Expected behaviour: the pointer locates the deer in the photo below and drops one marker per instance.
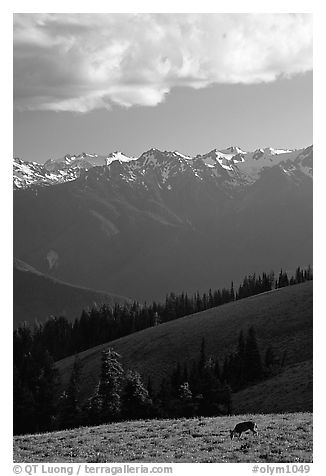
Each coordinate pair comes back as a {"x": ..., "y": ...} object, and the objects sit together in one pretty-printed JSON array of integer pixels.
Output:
[{"x": 243, "y": 427}]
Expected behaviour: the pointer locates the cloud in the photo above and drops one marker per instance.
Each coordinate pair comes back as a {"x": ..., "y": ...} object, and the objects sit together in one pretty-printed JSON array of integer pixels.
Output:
[{"x": 81, "y": 62}]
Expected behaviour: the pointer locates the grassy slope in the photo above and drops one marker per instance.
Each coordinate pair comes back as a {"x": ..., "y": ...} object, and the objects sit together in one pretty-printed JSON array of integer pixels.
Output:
[
  {"x": 292, "y": 389},
  {"x": 282, "y": 438},
  {"x": 282, "y": 318},
  {"x": 37, "y": 296}
]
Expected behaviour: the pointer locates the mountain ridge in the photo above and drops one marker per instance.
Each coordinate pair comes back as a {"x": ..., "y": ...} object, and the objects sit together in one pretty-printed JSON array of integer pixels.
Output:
[
  {"x": 164, "y": 221},
  {"x": 233, "y": 164}
]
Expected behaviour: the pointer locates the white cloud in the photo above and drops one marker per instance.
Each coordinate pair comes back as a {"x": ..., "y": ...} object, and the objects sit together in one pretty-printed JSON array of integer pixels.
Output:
[{"x": 81, "y": 62}]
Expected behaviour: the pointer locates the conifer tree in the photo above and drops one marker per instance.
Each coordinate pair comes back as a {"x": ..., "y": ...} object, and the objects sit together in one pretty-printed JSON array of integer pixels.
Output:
[
  {"x": 225, "y": 370},
  {"x": 150, "y": 388},
  {"x": 185, "y": 393},
  {"x": 232, "y": 295},
  {"x": 210, "y": 387},
  {"x": 176, "y": 379},
  {"x": 283, "y": 280},
  {"x": 93, "y": 408},
  {"x": 194, "y": 379},
  {"x": 45, "y": 391},
  {"x": 109, "y": 390},
  {"x": 135, "y": 398},
  {"x": 299, "y": 275},
  {"x": 186, "y": 406},
  {"x": 217, "y": 370},
  {"x": 308, "y": 273},
  {"x": 24, "y": 418},
  {"x": 69, "y": 414},
  {"x": 202, "y": 357},
  {"x": 253, "y": 365},
  {"x": 210, "y": 299}
]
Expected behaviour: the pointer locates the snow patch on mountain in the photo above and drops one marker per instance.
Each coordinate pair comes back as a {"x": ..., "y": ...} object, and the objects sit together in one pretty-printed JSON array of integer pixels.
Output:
[
  {"x": 29, "y": 174},
  {"x": 233, "y": 167},
  {"x": 120, "y": 156},
  {"x": 233, "y": 150}
]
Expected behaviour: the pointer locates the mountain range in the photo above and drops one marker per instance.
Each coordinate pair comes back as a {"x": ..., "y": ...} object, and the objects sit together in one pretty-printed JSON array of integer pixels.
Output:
[
  {"x": 233, "y": 165},
  {"x": 140, "y": 227}
]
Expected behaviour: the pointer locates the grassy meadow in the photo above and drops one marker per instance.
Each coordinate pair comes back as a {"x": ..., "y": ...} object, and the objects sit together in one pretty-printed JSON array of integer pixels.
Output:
[
  {"x": 281, "y": 405},
  {"x": 282, "y": 438}
]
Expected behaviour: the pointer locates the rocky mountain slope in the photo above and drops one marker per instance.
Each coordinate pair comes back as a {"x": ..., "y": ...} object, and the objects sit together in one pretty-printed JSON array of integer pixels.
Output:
[{"x": 164, "y": 221}]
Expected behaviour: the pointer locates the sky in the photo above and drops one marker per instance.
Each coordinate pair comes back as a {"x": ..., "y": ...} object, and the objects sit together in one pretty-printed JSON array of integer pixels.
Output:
[{"x": 189, "y": 82}]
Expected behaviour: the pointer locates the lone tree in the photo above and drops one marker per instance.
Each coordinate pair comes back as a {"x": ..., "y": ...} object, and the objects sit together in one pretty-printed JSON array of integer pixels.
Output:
[
  {"x": 110, "y": 384},
  {"x": 105, "y": 405}
]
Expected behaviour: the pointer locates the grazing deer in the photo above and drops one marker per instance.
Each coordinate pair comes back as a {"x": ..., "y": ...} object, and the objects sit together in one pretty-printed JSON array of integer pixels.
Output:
[{"x": 243, "y": 427}]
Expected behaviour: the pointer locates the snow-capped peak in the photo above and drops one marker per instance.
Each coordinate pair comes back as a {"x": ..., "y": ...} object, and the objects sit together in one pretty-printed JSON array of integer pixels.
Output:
[
  {"x": 233, "y": 150},
  {"x": 120, "y": 156},
  {"x": 187, "y": 157},
  {"x": 76, "y": 161},
  {"x": 267, "y": 151},
  {"x": 28, "y": 174},
  {"x": 232, "y": 165},
  {"x": 272, "y": 151}
]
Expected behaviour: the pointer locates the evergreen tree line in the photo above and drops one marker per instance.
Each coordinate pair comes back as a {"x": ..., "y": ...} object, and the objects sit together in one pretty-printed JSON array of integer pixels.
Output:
[
  {"x": 104, "y": 323},
  {"x": 119, "y": 395},
  {"x": 246, "y": 366},
  {"x": 202, "y": 389},
  {"x": 194, "y": 389},
  {"x": 34, "y": 374},
  {"x": 301, "y": 275},
  {"x": 34, "y": 385},
  {"x": 205, "y": 388}
]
